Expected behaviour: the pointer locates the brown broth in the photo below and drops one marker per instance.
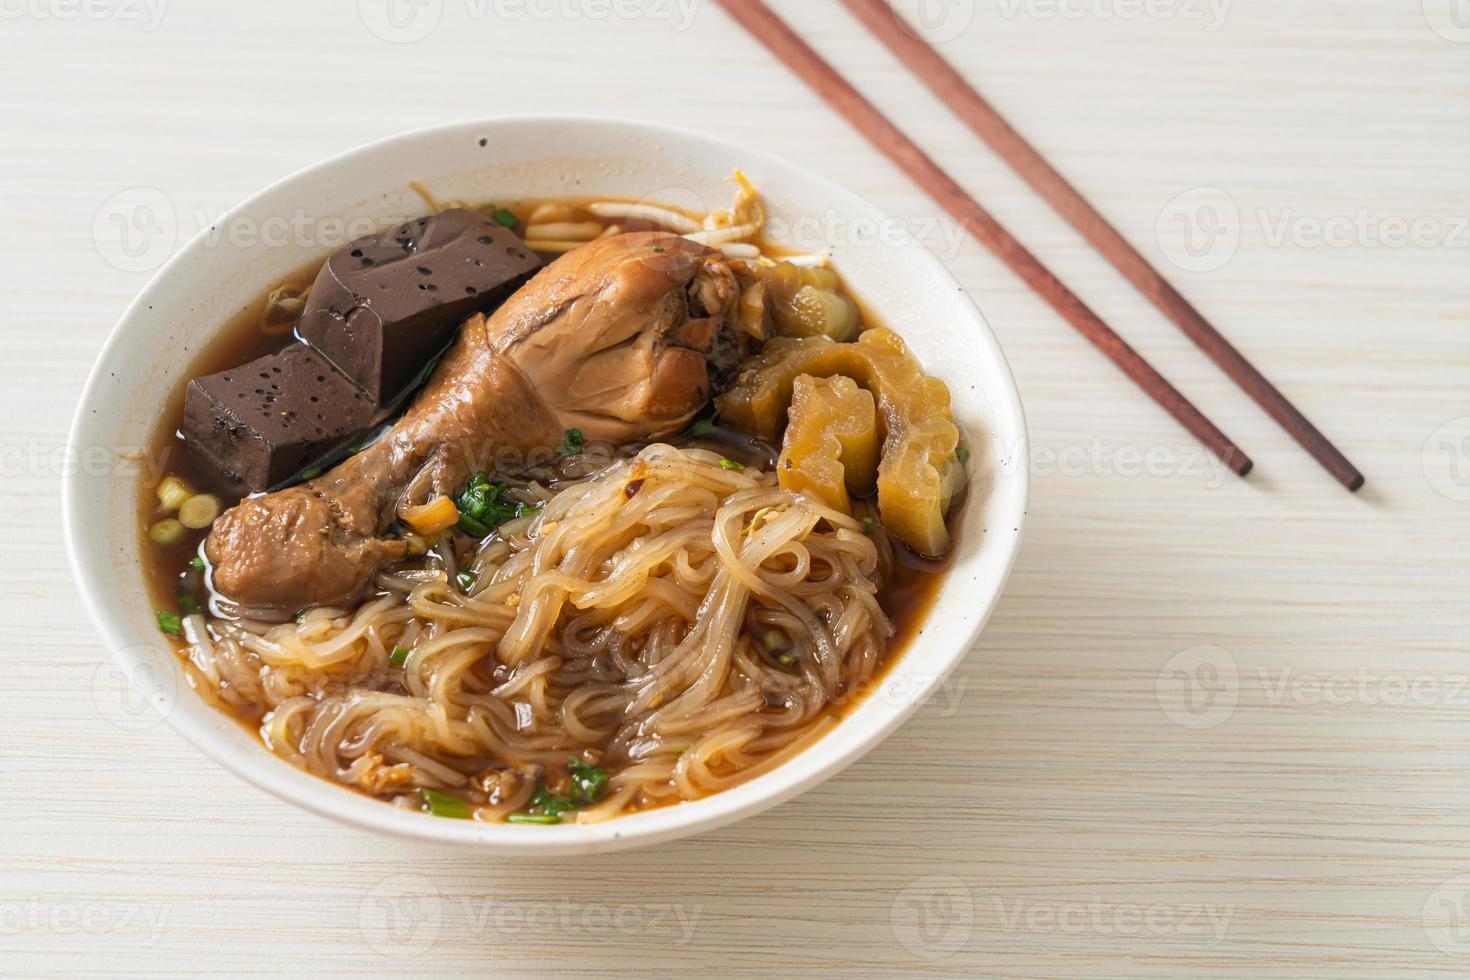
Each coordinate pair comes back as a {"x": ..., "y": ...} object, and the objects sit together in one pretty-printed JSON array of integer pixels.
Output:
[{"x": 907, "y": 597}]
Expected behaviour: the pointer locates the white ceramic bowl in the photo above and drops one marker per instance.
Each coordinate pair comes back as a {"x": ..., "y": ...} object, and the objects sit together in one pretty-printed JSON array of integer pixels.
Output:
[{"x": 216, "y": 274}]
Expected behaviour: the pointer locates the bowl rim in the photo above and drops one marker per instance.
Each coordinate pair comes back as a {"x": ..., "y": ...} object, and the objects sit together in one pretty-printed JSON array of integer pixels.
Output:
[{"x": 634, "y": 830}]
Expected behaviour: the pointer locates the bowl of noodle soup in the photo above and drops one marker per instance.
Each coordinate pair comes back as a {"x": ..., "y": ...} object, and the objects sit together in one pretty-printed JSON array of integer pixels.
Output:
[{"x": 597, "y": 543}]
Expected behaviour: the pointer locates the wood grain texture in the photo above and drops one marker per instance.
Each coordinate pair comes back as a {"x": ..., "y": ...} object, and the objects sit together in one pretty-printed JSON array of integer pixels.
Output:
[
  {"x": 1046, "y": 815},
  {"x": 923, "y": 58},
  {"x": 891, "y": 140}
]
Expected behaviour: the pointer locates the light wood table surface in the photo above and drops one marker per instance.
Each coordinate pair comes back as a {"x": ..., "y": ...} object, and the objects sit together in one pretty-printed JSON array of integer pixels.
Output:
[{"x": 1215, "y": 728}]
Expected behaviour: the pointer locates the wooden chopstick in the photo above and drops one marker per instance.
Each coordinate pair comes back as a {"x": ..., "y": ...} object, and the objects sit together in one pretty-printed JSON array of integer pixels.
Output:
[
  {"x": 770, "y": 30},
  {"x": 990, "y": 126}
]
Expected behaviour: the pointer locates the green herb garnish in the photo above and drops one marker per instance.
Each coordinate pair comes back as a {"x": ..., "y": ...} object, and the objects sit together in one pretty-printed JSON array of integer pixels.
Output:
[
  {"x": 196, "y": 563},
  {"x": 963, "y": 455},
  {"x": 466, "y": 580},
  {"x": 399, "y": 656},
  {"x": 589, "y": 785},
  {"x": 189, "y": 606},
  {"x": 443, "y": 805},
  {"x": 571, "y": 443},
  {"x": 659, "y": 249},
  {"x": 870, "y": 526},
  {"x": 483, "y": 507},
  {"x": 170, "y": 623},
  {"x": 730, "y": 464},
  {"x": 543, "y": 819},
  {"x": 501, "y": 216}
]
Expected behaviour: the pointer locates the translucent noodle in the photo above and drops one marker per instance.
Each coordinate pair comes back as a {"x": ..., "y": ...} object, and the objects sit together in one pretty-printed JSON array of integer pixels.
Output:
[{"x": 630, "y": 624}]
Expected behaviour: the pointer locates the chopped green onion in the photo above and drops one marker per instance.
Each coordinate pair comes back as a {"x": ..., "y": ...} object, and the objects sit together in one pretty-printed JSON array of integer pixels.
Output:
[
  {"x": 199, "y": 511},
  {"x": 541, "y": 819},
  {"x": 399, "y": 656},
  {"x": 466, "y": 580},
  {"x": 870, "y": 526},
  {"x": 786, "y": 659},
  {"x": 443, "y": 805},
  {"x": 170, "y": 623},
  {"x": 730, "y": 464},
  {"x": 549, "y": 803},
  {"x": 702, "y": 427},
  {"x": 589, "y": 784},
  {"x": 483, "y": 507},
  {"x": 166, "y": 532},
  {"x": 189, "y": 605},
  {"x": 963, "y": 455},
  {"x": 172, "y": 492},
  {"x": 197, "y": 563},
  {"x": 571, "y": 443},
  {"x": 473, "y": 527},
  {"x": 501, "y": 216},
  {"x": 659, "y": 249}
]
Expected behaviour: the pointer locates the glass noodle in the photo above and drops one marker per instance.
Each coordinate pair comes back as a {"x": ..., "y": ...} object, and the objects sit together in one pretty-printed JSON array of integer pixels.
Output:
[{"x": 688, "y": 624}]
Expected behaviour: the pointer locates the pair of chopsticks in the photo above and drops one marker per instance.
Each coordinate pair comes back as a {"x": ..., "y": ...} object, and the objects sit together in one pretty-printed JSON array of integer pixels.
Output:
[{"x": 966, "y": 103}]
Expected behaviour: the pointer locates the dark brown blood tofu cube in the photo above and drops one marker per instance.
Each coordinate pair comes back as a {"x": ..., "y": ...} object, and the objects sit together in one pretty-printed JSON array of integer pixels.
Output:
[
  {"x": 384, "y": 306},
  {"x": 260, "y": 424}
]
